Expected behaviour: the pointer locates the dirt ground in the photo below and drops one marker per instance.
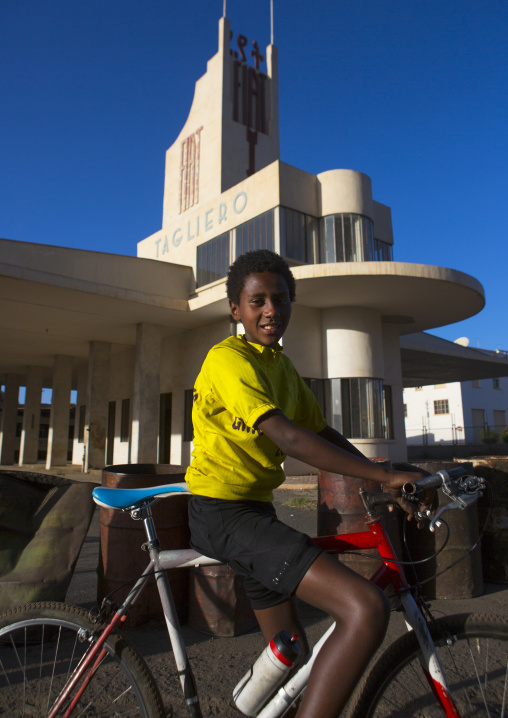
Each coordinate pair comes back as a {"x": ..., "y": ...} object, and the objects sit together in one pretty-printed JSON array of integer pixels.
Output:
[{"x": 219, "y": 663}]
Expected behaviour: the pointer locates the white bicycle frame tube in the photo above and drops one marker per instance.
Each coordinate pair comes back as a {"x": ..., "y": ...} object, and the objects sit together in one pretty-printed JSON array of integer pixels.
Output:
[
  {"x": 430, "y": 664},
  {"x": 429, "y": 659},
  {"x": 186, "y": 558}
]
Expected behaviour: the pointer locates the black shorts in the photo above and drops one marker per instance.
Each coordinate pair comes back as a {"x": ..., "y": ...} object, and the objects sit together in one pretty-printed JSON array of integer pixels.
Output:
[{"x": 270, "y": 557}]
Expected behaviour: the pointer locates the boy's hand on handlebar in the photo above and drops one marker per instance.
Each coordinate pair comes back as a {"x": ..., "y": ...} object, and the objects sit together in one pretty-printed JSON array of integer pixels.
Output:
[{"x": 427, "y": 501}]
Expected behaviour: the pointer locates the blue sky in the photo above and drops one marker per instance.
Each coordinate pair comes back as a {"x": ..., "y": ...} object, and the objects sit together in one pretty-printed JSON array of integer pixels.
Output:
[{"x": 412, "y": 93}]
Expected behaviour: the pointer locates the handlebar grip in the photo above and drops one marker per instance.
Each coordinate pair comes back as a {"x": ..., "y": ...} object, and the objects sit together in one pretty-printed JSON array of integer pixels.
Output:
[{"x": 433, "y": 482}]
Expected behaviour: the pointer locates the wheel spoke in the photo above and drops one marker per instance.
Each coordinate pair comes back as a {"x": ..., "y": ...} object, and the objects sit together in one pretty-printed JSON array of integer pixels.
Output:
[
  {"x": 474, "y": 662},
  {"x": 42, "y": 647}
]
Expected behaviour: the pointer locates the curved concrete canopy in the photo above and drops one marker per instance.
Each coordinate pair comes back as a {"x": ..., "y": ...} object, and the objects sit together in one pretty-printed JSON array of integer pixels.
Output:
[
  {"x": 415, "y": 297},
  {"x": 56, "y": 300}
]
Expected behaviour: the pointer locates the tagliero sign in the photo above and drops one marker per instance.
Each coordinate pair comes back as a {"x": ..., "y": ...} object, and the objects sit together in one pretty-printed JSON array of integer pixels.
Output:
[{"x": 210, "y": 219}]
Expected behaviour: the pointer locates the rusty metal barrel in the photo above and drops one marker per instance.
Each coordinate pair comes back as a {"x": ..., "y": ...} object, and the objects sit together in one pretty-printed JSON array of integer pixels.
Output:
[
  {"x": 340, "y": 511},
  {"x": 218, "y": 604},
  {"x": 445, "y": 576},
  {"x": 493, "y": 517},
  {"x": 121, "y": 558}
]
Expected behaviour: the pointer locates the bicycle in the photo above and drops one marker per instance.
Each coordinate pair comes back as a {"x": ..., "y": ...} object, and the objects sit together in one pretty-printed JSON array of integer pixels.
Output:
[{"x": 58, "y": 660}]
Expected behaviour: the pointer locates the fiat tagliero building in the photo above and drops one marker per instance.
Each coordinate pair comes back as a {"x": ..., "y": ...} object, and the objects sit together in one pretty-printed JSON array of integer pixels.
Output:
[{"x": 130, "y": 333}]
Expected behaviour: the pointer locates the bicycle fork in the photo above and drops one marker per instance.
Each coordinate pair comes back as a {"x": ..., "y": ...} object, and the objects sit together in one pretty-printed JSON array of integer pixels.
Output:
[{"x": 429, "y": 659}]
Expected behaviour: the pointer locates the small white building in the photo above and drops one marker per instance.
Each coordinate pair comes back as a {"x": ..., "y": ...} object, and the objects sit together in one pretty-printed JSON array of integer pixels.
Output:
[{"x": 455, "y": 412}]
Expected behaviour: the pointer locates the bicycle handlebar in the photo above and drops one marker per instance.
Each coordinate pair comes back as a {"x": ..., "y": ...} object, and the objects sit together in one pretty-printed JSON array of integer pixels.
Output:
[
  {"x": 461, "y": 488},
  {"x": 433, "y": 482}
]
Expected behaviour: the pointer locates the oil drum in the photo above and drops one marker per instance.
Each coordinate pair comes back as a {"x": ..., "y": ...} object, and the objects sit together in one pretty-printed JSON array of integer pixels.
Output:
[
  {"x": 340, "y": 511},
  {"x": 218, "y": 604},
  {"x": 493, "y": 517},
  {"x": 121, "y": 559},
  {"x": 455, "y": 572}
]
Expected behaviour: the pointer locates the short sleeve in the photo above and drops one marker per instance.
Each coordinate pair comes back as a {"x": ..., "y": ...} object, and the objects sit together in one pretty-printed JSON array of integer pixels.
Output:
[{"x": 238, "y": 384}]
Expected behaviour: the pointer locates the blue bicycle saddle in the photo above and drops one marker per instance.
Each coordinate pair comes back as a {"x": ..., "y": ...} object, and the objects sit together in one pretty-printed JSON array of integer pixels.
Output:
[{"x": 130, "y": 498}]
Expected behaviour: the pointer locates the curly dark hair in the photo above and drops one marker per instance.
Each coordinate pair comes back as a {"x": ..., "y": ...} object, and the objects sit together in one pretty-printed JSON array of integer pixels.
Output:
[{"x": 259, "y": 260}]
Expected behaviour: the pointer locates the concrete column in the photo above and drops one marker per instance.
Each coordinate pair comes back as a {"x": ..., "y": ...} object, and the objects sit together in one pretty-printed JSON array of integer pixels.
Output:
[
  {"x": 353, "y": 343},
  {"x": 78, "y": 444},
  {"x": 393, "y": 377},
  {"x": 58, "y": 438},
  {"x": 9, "y": 419},
  {"x": 353, "y": 348},
  {"x": 99, "y": 359},
  {"x": 145, "y": 408},
  {"x": 29, "y": 446}
]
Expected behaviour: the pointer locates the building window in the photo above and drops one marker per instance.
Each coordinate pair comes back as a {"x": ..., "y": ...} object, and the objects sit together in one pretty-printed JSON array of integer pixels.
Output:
[
  {"x": 298, "y": 236},
  {"x": 361, "y": 408},
  {"x": 319, "y": 388},
  {"x": 188, "y": 429},
  {"x": 405, "y": 411},
  {"x": 388, "y": 431},
  {"x": 441, "y": 406},
  {"x": 358, "y": 408},
  {"x": 499, "y": 419},
  {"x": 475, "y": 384},
  {"x": 257, "y": 233},
  {"x": 496, "y": 384},
  {"x": 383, "y": 252},
  {"x": 124, "y": 422},
  {"x": 81, "y": 426},
  {"x": 347, "y": 238},
  {"x": 212, "y": 260}
]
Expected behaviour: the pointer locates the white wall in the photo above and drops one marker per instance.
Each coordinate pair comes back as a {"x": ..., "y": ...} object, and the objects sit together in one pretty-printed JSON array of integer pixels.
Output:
[
  {"x": 485, "y": 397},
  {"x": 421, "y": 419}
]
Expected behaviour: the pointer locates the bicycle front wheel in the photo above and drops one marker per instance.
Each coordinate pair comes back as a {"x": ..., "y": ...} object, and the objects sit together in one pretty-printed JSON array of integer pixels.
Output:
[
  {"x": 40, "y": 646},
  {"x": 473, "y": 651}
]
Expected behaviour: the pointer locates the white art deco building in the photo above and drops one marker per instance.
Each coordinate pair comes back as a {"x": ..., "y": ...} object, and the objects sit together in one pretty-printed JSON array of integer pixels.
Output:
[{"x": 130, "y": 333}]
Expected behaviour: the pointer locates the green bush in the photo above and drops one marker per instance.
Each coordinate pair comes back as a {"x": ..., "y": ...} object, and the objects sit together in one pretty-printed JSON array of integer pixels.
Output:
[
  {"x": 489, "y": 436},
  {"x": 504, "y": 435}
]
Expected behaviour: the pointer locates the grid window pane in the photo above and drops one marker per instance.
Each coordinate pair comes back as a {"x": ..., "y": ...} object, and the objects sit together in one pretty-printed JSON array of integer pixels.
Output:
[
  {"x": 298, "y": 235},
  {"x": 383, "y": 252},
  {"x": 257, "y": 233},
  {"x": 212, "y": 260},
  {"x": 347, "y": 238},
  {"x": 441, "y": 406},
  {"x": 362, "y": 408}
]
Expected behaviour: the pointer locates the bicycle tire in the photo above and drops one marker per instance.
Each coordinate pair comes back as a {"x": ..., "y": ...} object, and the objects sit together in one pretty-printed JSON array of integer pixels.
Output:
[
  {"x": 40, "y": 646},
  {"x": 475, "y": 666}
]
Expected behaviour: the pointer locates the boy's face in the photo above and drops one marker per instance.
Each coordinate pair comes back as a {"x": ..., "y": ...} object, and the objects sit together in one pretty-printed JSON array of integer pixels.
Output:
[{"x": 264, "y": 308}]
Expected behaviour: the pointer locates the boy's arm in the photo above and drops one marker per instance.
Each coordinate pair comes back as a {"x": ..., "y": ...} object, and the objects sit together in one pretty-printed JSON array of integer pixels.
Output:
[
  {"x": 336, "y": 438},
  {"x": 324, "y": 454}
]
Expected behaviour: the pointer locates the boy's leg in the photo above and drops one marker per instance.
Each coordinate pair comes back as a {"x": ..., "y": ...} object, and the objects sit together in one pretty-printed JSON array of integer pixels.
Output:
[
  {"x": 361, "y": 612},
  {"x": 282, "y": 617}
]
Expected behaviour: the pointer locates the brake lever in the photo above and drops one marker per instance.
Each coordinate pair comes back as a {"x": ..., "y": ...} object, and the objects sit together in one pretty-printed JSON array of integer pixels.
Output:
[
  {"x": 460, "y": 499},
  {"x": 462, "y": 493}
]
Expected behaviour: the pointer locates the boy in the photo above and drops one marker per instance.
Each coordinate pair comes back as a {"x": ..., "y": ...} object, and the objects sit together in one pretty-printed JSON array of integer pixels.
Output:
[{"x": 251, "y": 409}]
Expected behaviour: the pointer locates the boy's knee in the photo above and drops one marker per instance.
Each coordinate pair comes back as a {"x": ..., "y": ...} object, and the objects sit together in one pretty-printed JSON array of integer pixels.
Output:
[{"x": 373, "y": 607}]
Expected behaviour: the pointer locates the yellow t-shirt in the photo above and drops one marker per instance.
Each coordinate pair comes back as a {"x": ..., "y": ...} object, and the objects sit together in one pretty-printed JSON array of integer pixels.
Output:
[{"x": 239, "y": 383}]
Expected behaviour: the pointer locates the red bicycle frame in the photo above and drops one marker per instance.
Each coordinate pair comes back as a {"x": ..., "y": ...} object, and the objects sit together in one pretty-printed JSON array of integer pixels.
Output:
[{"x": 390, "y": 572}]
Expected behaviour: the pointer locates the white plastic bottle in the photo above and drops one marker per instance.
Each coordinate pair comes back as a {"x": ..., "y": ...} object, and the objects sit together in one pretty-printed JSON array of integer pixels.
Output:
[{"x": 267, "y": 673}]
